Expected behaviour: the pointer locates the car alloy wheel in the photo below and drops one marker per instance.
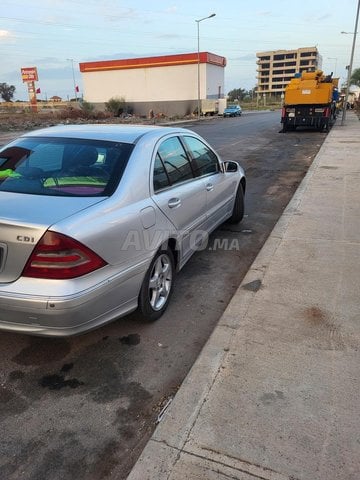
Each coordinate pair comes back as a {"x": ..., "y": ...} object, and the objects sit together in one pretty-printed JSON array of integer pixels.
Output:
[
  {"x": 160, "y": 282},
  {"x": 157, "y": 285}
]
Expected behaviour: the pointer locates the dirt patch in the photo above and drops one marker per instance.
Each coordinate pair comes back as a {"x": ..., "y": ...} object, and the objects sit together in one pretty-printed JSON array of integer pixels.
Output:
[{"x": 24, "y": 121}]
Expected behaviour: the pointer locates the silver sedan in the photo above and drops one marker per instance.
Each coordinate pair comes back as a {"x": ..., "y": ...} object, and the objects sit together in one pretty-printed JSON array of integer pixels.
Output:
[{"x": 95, "y": 220}]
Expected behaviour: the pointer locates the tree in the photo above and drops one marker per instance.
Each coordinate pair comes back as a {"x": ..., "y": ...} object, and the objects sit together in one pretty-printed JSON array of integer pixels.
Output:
[
  {"x": 355, "y": 77},
  {"x": 237, "y": 94},
  {"x": 241, "y": 94},
  {"x": 7, "y": 92}
]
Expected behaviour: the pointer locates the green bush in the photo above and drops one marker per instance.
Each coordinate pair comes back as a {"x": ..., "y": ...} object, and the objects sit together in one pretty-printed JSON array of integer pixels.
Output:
[
  {"x": 116, "y": 106},
  {"x": 87, "y": 108}
]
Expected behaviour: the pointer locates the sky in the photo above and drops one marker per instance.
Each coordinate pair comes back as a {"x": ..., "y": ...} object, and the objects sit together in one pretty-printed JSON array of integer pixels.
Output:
[{"x": 56, "y": 35}]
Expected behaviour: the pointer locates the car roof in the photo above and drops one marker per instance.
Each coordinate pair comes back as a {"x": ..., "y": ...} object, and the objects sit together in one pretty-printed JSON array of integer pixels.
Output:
[{"x": 110, "y": 132}]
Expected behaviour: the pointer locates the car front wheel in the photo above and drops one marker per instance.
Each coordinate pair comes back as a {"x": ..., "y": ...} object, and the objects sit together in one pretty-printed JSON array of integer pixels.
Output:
[
  {"x": 157, "y": 286},
  {"x": 238, "y": 210}
]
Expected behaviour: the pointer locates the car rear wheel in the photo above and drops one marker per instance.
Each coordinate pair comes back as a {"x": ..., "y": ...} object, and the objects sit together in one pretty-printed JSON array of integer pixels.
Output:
[
  {"x": 238, "y": 210},
  {"x": 157, "y": 286}
]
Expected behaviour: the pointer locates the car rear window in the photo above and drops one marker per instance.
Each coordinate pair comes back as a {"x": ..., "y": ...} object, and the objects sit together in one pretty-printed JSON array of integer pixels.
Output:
[{"x": 62, "y": 166}]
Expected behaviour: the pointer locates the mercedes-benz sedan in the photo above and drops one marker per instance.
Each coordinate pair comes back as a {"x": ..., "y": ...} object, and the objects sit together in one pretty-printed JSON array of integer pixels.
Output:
[{"x": 95, "y": 220}]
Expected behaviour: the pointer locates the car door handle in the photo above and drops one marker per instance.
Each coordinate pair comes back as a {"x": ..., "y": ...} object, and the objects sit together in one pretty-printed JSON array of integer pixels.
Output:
[
  {"x": 174, "y": 202},
  {"x": 209, "y": 187}
]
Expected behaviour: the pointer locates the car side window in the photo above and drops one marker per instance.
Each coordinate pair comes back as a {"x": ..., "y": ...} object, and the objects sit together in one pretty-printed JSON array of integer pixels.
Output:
[
  {"x": 160, "y": 178},
  {"x": 175, "y": 160},
  {"x": 205, "y": 161}
]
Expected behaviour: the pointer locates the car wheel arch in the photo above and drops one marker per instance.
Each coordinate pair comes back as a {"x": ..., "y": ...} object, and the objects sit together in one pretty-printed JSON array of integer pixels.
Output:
[
  {"x": 173, "y": 244},
  {"x": 243, "y": 184}
]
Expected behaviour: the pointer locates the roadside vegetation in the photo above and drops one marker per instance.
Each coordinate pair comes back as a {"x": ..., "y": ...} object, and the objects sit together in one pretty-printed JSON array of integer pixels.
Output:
[
  {"x": 117, "y": 106},
  {"x": 7, "y": 92}
]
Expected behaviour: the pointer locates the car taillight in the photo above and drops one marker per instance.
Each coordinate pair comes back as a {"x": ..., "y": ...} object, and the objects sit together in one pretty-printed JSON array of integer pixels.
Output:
[{"x": 58, "y": 256}]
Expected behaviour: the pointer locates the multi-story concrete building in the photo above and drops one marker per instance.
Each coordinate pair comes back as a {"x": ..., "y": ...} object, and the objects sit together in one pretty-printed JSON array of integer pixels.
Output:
[
  {"x": 277, "y": 67},
  {"x": 170, "y": 84}
]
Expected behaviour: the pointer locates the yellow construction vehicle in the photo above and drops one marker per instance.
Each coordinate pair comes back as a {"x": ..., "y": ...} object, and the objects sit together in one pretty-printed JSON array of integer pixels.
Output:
[{"x": 310, "y": 101}]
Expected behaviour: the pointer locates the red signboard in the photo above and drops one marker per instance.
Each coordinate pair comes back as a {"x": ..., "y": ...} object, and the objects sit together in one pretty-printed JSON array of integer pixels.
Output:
[{"x": 29, "y": 74}]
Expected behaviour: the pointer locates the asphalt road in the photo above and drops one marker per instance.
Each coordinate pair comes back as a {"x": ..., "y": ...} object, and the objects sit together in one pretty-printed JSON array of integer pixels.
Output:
[{"x": 84, "y": 407}]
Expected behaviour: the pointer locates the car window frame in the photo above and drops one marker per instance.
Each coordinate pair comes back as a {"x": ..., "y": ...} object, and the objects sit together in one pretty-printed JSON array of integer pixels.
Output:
[
  {"x": 193, "y": 159},
  {"x": 153, "y": 174},
  {"x": 156, "y": 153}
]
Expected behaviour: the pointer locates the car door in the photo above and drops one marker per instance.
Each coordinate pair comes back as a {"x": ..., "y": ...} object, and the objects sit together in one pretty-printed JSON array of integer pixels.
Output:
[
  {"x": 220, "y": 187},
  {"x": 179, "y": 194}
]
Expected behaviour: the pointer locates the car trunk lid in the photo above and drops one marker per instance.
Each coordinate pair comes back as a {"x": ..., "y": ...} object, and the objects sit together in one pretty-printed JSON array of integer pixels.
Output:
[{"x": 23, "y": 221}]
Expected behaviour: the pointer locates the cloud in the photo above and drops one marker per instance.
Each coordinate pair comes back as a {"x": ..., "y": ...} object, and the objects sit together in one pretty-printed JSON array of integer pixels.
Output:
[
  {"x": 44, "y": 73},
  {"x": 56, "y": 20},
  {"x": 5, "y": 34},
  {"x": 48, "y": 61},
  {"x": 316, "y": 17},
  {"x": 113, "y": 56},
  {"x": 250, "y": 56},
  {"x": 172, "y": 9},
  {"x": 323, "y": 17},
  {"x": 169, "y": 36},
  {"x": 123, "y": 14}
]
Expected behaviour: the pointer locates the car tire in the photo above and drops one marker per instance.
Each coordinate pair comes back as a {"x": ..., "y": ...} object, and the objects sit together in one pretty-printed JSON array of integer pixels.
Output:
[
  {"x": 238, "y": 210},
  {"x": 157, "y": 286}
]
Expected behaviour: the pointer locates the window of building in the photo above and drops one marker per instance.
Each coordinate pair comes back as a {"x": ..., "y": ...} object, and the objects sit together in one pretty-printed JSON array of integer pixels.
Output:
[
  {"x": 307, "y": 54},
  {"x": 307, "y": 69}
]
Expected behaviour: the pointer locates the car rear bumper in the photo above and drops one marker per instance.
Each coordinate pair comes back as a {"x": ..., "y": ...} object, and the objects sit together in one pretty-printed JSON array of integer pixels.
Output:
[{"x": 71, "y": 314}]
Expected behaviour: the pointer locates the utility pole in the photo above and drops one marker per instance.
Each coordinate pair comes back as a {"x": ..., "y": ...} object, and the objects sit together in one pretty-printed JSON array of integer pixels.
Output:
[{"x": 350, "y": 65}]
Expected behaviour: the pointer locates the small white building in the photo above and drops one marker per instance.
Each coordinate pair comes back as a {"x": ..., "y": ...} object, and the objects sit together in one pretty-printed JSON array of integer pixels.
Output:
[
  {"x": 165, "y": 84},
  {"x": 354, "y": 94}
]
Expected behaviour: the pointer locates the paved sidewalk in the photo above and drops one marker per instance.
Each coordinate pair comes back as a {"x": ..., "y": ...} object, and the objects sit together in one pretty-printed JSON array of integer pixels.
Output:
[{"x": 275, "y": 393}]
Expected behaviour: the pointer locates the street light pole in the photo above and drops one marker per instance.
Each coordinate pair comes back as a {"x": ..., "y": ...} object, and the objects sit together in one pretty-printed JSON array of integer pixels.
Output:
[
  {"x": 198, "y": 61},
  {"x": 350, "y": 66},
  {"x": 73, "y": 74}
]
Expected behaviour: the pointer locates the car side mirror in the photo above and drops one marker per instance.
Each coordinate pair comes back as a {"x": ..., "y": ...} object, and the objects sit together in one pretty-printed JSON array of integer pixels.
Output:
[{"x": 231, "y": 167}]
